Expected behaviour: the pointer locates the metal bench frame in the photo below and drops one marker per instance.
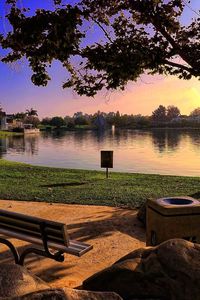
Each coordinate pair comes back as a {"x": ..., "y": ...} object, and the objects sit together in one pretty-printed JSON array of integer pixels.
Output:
[
  {"x": 19, "y": 259},
  {"x": 57, "y": 255}
]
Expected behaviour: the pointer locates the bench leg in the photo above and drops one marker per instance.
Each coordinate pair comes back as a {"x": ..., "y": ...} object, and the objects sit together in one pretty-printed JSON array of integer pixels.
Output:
[
  {"x": 12, "y": 248},
  {"x": 19, "y": 259}
]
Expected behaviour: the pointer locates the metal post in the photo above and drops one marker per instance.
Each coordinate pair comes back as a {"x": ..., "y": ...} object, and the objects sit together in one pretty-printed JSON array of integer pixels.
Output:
[{"x": 106, "y": 172}]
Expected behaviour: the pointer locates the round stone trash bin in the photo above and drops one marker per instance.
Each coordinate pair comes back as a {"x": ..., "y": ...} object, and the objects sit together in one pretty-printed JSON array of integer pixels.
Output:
[{"x": 172, "y": 217}]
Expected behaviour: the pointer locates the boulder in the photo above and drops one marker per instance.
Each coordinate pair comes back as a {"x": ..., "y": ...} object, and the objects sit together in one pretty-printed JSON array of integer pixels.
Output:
[
  {"x": 15, "y": 280},
  {"x": 169, "y": 271},
  {"x": 67, "y": 294},
  {"x": 17, "y": 283},
  {"x": 87, "y": 295}
]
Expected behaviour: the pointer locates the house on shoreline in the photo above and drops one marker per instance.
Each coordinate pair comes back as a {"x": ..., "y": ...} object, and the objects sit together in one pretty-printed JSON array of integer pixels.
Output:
[{"x": 8, "y": 122}]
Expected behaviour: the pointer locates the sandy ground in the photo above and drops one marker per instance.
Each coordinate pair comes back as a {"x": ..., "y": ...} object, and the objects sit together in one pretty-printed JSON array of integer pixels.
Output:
[{"x": 113, "y": 232}]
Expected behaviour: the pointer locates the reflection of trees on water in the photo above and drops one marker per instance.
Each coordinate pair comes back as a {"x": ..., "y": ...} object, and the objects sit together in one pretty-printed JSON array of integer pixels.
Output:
[
  {"x": 99, "y": 136},
  {"x": 96, "y": 139},
  {"x": 166, "y": 140},
  {"x": 121, "y": 137},
  {"x": 81, "y": 138},
  {"x": 173, "y": 139},
  {"x": 159, "y": 140},
  {"x": 3, "y": 147},
  {"x": 58, "y": 134},
  {"x": 163, "y": 141},
  {"x": 32, "y": 144},
  {"x": 24, "y": 144},
  {"x": 17, "y": 144},
  {"x": 195, "y": 138},
  {"x": 102, "y": 137}
]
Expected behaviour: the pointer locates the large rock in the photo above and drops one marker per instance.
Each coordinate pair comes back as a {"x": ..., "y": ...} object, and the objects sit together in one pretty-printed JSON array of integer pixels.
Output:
[
  {"x": 169, "y": 271},
  {"x": 16, "y": 281},
  {"x": 67, "y": 294},
  {"x": 87, "y": 295}
]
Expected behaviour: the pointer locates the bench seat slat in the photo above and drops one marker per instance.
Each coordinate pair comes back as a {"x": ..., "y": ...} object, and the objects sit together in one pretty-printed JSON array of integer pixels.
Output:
[
  {"x": 37, "y": 234},
  {"x": 75, "y": 247},
  {"x": 30, "y": 219},
  {"x": 29, "y": 226},
  {"x": 84, "y": 248},
  {"x": 77, "y": 244},
  {"x": 21, "y": 223},
  {"x": 18, "y": 229},
  {"x": 29, "y": 238}
]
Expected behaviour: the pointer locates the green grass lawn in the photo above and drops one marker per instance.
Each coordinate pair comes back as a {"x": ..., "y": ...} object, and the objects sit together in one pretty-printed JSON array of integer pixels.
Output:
[
  {"x": 25, "y": 182},
  {"x": 9, "y": 133}
]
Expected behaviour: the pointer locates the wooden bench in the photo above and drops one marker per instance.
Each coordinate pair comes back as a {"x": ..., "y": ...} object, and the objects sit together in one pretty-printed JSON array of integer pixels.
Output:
[{"x": 48, "y": 234}]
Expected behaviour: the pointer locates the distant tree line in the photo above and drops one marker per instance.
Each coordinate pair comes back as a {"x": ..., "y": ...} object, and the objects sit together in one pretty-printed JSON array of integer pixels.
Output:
[
  {"x": 161, "y": 117},
  {"x": 80, "y": 119},
  {"x": 171, "y": 116}
]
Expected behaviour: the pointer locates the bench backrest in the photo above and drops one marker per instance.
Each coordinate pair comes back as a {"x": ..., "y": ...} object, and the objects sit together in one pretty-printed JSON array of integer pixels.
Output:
[{"x": 20, "y": 225}]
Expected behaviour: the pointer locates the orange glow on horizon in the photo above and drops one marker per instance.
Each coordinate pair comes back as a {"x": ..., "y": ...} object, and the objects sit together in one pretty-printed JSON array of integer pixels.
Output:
[{"x": 138, "y": 98}]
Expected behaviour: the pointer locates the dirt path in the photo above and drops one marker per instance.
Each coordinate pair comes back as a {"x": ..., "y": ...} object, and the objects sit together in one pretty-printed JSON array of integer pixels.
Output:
[{"x": 113, "y": 232}]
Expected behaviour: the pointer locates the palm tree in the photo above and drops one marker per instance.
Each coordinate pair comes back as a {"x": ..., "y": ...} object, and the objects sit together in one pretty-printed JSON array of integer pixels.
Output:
[{"x": 31, "y": 112}]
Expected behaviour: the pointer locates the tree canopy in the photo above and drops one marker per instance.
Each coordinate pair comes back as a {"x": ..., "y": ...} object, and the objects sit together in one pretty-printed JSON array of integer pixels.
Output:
[
  {"x": 31, "y": 112},
  {"x": 195, "y": 112},
  {"x": 163, "y": 114},
  {"x": 130, "y": 38}
]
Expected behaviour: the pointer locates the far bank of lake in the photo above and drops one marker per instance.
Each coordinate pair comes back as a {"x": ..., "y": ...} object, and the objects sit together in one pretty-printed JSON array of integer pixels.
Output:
[{"x": 156, "y": 151}]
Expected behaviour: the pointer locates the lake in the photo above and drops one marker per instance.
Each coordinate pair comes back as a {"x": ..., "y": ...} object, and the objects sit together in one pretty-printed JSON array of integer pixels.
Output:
[{"x": 160, "y": 151}]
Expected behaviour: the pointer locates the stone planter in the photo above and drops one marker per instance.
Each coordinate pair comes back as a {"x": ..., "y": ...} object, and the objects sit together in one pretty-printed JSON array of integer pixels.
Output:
[{"x": 172, "y": 217}]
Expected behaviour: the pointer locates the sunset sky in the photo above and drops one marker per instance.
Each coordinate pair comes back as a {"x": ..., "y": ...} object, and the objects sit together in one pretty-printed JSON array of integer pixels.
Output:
[{"x": 18, "y": 93}]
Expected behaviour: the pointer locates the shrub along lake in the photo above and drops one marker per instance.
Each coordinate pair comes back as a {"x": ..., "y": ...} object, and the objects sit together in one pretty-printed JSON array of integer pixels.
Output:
[{"x": 159, "y": 151}]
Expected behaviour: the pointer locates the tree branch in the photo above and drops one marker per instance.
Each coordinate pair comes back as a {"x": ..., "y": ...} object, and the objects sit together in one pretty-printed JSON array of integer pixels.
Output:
[
  {"x": 105, "y": 32},
  {"x": 169, "y": 38},
  {"x": 176, "y": 65}
]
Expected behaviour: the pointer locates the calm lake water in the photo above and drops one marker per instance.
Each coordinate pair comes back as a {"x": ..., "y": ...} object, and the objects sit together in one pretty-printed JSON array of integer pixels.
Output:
[{"x": 154, "y": 151}]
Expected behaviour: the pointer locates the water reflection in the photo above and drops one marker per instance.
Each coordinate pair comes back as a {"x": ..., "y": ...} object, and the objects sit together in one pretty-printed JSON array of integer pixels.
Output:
[
  {"x": 157, "y": 151},
  {"x": 28, "y": 145},
  {"x": 3, "y": 147},
  {"x": 174, "y": 139},
  {"x": 166, "y": 140},
  {"x": 195, "y": 139},
  {"x": 159, "y": 140}
]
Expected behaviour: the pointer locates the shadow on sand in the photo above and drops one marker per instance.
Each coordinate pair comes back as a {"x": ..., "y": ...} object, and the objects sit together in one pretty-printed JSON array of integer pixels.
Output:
[
  {"x": 124, "y": 221},
  {"x": 100, "y": 226}
]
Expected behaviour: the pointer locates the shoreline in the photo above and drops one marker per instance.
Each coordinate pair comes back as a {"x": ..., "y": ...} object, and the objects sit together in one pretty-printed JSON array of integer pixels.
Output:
[
  {"x": 5, "y": 133},
  {"x": 117, "y": 128}
]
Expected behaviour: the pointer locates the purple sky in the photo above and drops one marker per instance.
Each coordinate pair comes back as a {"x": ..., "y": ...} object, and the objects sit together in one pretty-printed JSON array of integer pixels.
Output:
[{"x": 18, "y": 93}]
